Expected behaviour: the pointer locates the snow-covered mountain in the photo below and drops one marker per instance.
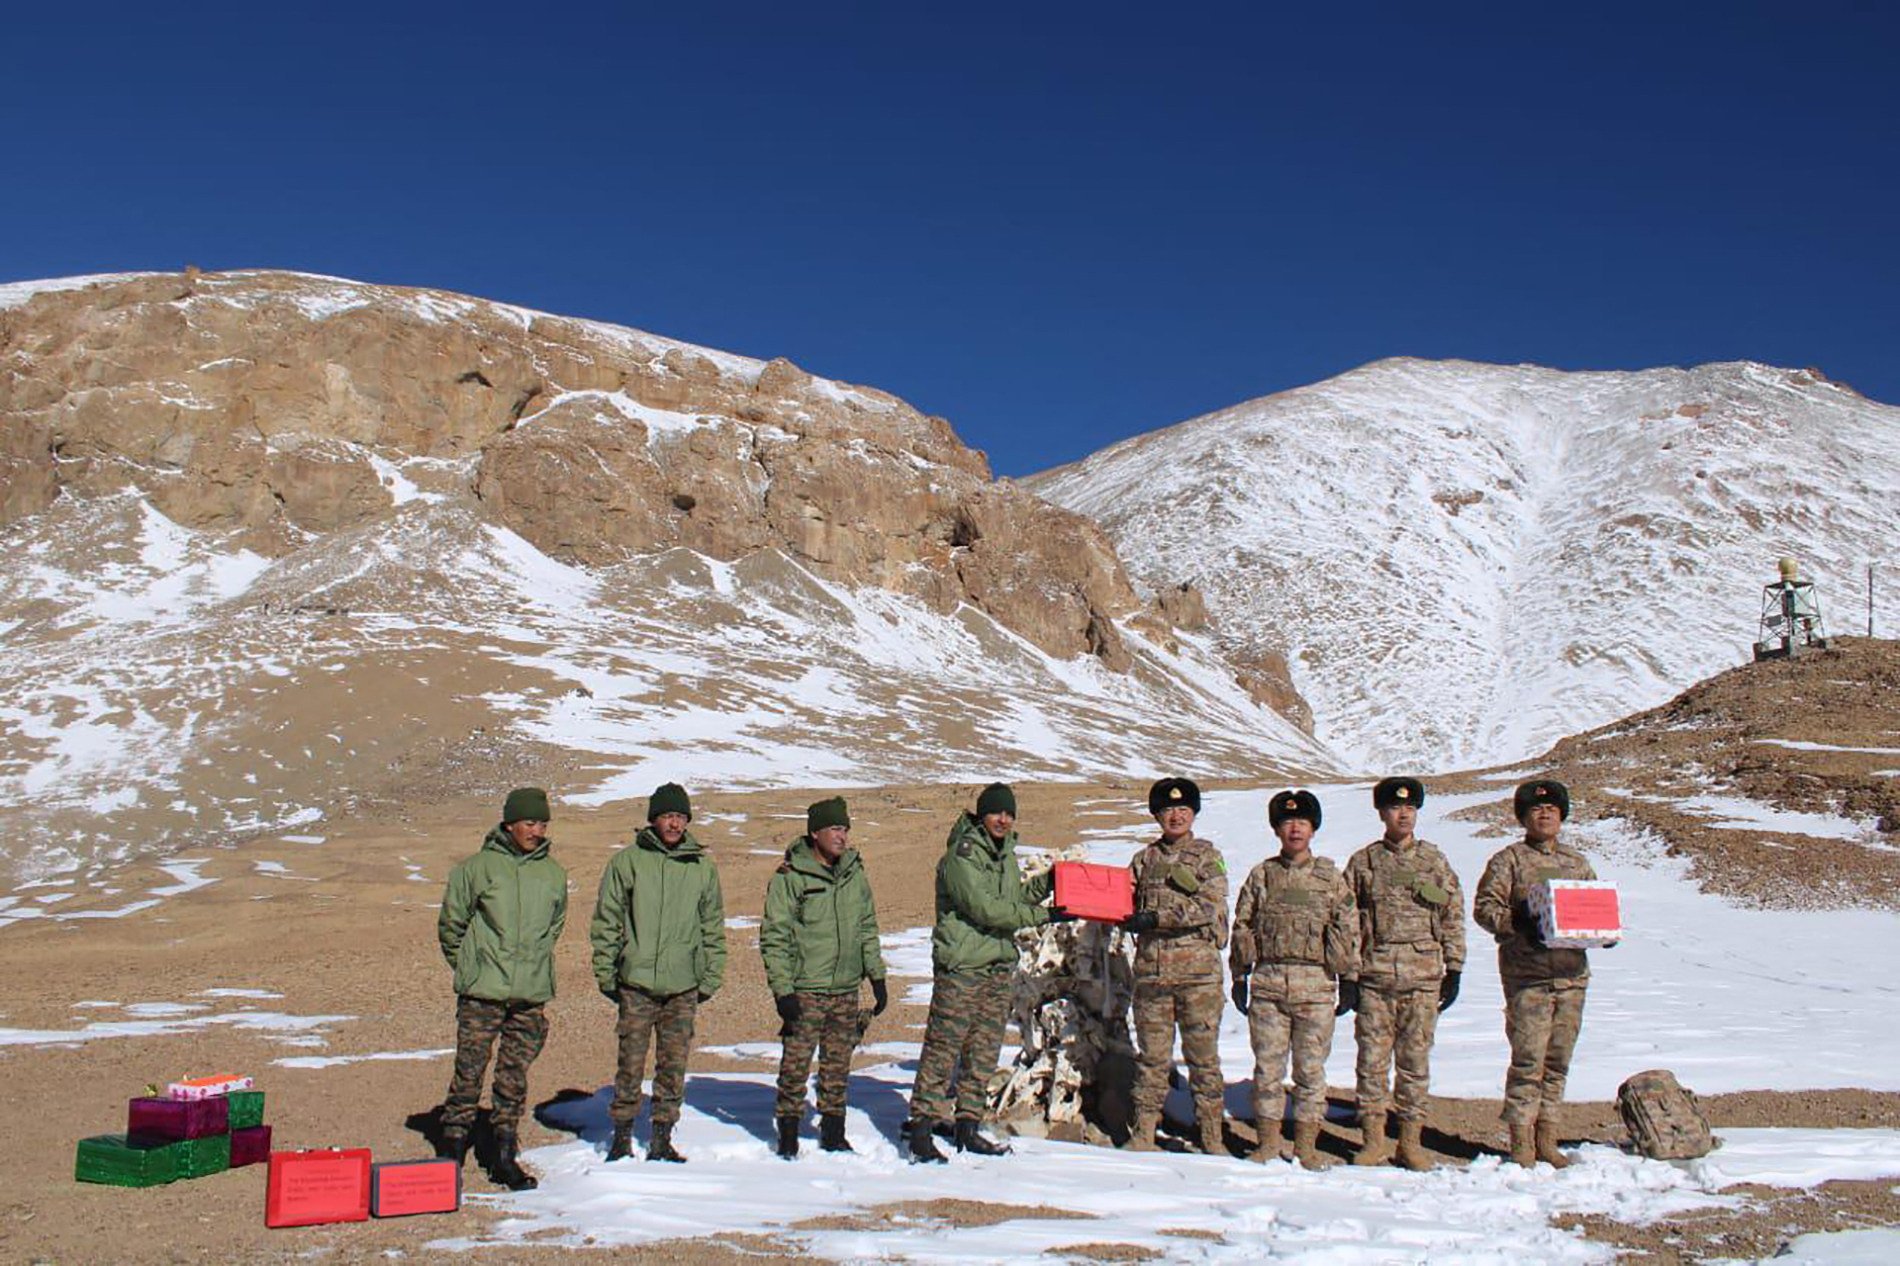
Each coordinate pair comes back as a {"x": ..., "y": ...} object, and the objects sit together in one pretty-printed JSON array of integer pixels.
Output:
[
  {"x": 281, "y": 547},
  {"x": 1462, "y": 563}
]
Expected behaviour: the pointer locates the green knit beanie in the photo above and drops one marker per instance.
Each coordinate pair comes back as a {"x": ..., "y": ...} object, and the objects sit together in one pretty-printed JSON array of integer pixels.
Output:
[
  {"x": 526, "y": 804},
  {"x": 669, "y": 798},
  {"x": 826, "y": 813},
  {"x": 996, "y": 798}
]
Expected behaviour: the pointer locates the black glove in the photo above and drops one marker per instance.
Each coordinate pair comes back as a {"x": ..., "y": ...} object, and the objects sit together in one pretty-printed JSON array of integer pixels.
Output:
[
  {"x": 789, "y": 1009},
  {"x": 1448, "y": 990},
  {"x": 1058, "y": 915},
  {"x": 1239, "y": 994},
  {"x": 1140, "y": 921},
  {"x": 880, "y": 996},
  {"x": 1524, "y": 923},
  {"x": 1348, "y": 997}
]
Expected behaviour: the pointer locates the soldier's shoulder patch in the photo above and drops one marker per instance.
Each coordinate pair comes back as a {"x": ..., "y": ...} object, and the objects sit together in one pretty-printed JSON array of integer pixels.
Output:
[
  {"x": 784, "y": 868},
  {"x": 965, "y": 847}
]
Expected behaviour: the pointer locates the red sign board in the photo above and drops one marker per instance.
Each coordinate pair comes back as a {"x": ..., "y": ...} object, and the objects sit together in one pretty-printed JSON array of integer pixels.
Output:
[
  {"x": 1092, "y": 891},
  {"x": 400, "y": 1188},
  {"x": 309, "y": 1188}
]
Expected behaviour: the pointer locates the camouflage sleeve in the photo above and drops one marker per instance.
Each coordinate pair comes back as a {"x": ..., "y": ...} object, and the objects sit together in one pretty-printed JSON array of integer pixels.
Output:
[
  {"x": 712, "y": 934},
  {"x": 1214, "y": 892},
  {"x": 607, "y": 934},
  {"x": 1240, "y": 955},
  {"x": 458, "y": 907},
  {"x": 778, "y": 931},
  {"x": 1341, "y": 941},
  {"x": 1448, "y": 922},
  {"x": 1491, "y": 907},
  {"x": 872, "y": 952},
  {"x": 1359, "y": 884}
]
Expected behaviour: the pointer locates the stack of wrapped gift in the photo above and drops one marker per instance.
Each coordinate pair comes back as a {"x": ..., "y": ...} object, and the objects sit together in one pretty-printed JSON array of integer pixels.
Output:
[{"x": 201, "y": 1126}]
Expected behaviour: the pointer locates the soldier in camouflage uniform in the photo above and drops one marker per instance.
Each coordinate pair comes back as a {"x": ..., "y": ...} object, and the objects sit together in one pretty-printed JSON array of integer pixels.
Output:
[
  {"x": 1180, "y": 927},
  {"x": 1295, "y": 933},
  {"x": 502, "y": 911},
  {"x": 819, "y": 942},
  {"x": 659, "y": 942},
  {"x": 982, "y": 902},
  {"x": 1543, "y": 987},
  {"x": 1412, "y": 939}
]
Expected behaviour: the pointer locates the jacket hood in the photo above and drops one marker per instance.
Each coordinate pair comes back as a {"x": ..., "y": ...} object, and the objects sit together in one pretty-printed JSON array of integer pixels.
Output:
[{"x": 499, "y": 841}]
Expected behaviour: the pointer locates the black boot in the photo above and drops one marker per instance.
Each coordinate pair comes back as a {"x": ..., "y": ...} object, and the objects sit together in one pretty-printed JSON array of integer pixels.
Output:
[
  {"x": 453, "y": 1145},
  {"x": 622, "y": 1145},
  {"x": 831, "y": 1134},
  {"x": 923, "y": 1148},
  {"x": 969, "y": 1140},
  {"x": 660, "y": 1148},
  {"x": 788, "y": 1137},
  {"x": 508, "y": 1171}
]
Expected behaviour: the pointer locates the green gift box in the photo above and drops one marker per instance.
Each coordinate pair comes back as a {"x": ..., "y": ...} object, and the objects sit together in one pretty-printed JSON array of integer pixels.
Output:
[
  {"x": 247, "y": 1108},
  {"x": 121, "y": 1160},
  {"x": 208, "y": 1155}
]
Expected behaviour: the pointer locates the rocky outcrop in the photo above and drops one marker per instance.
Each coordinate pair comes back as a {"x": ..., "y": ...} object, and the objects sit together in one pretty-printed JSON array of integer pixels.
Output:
[{"x": 287, "y": 407}]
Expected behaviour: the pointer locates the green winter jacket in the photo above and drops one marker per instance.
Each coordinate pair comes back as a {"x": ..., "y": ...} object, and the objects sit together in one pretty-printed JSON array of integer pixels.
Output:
[
  {"x": 660, "y": 923},
  {"x": 502, "y": 911},
  {"x": 820, "y": 928},
  {"x": 982, "y": 900}
]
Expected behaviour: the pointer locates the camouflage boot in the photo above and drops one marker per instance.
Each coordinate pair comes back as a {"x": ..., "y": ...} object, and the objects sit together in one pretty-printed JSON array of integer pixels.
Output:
[
  {"x": 622, "y": 1145},
  {"x": 1213, "y": 1135},
  {"x": 831, "y": 1133},
  {"x": 1523, "y": 1148},
  {"x": 1142, "y": 1137},
  {"x": 508, "y": 1171},
  {"x": 1412, "y": 1154},
  {"x": 1306, "y": 1146},
  {"x": 660, "y": 1146},
  {"x": 1377, "y": 1148},
  {"x": 788, "y": 1137},
  {"x": 454, "y": 1146},
  {"x": 1545, "y": 1141}
]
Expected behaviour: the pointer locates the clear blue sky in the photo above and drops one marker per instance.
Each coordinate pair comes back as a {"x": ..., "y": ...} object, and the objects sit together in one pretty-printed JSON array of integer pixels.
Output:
[{"x": 1055, "y": 225}]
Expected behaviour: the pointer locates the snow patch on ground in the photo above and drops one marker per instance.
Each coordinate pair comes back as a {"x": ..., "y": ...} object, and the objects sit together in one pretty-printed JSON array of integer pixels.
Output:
[{"x": 337, "y": 1061}]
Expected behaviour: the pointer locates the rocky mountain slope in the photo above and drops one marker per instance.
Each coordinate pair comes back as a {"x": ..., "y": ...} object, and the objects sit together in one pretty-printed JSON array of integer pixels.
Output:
[
  {"x": 1462, "y": 563},
  {"x": 287, "y": 548}
]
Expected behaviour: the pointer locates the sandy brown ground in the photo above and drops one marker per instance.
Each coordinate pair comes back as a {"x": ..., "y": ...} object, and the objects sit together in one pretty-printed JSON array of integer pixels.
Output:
[{"x": 355, "y": 937}]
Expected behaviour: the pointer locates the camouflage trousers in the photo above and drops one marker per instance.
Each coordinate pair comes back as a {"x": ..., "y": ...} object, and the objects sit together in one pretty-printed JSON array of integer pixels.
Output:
[
  {"x": 1542, "y": 1021},
  {"x": 1195, "y": 1009},
  {"x": 828, "y": 1025},
  {"x": 665, "y": 1023},
  {"x": 1305, "y": 1031},
  {"x": 1396, "y": 1025},
  {"x": 521, "y": 1030},
  {"x": 962, "y": 1038}
]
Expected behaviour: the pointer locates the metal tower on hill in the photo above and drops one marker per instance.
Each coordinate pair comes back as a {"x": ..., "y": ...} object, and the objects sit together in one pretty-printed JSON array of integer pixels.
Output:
[{"x": 1790, "y": 617}]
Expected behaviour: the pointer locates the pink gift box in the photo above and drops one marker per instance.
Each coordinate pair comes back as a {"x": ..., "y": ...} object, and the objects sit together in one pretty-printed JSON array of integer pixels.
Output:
[
  {"x": 175, "y": 1119},
  {"x": 250, "y": 1145}
]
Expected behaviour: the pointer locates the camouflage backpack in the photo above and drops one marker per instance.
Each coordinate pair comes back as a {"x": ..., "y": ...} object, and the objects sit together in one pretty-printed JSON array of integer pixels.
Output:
[{"x": 1662, "y": 1116}]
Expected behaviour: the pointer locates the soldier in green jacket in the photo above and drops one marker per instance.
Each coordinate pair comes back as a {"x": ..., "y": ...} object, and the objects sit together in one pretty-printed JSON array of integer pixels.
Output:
[
  {"x": 982, "y": 902},
  {"x": 659, "y": 939},
  {"x": 502, "y": 911},
  {"x": 819, "y": 941}
]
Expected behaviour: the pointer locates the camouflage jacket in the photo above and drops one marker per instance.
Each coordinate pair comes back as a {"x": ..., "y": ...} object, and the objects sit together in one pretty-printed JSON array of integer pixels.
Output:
[
  {"x": 1185, "y": 884},
  {"x": 1505, "y": 887},
  {"x": 1411, "y": 914},
  {"x": 1295, "y": 914}
]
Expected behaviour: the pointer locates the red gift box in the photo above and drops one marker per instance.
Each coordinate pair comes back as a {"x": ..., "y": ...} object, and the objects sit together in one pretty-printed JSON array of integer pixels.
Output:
[
  {"x": 177, "y": 1119},
  {"x": 308, "y": 1188},
  {"x": 401, "y": 1188},
  {"x": 1089, "y": 890},
  {"x": 250, "y": 1145}
]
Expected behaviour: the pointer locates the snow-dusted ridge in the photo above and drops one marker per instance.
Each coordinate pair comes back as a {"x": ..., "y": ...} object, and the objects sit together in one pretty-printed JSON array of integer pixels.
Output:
[{"x": 1462, "y": 563}]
